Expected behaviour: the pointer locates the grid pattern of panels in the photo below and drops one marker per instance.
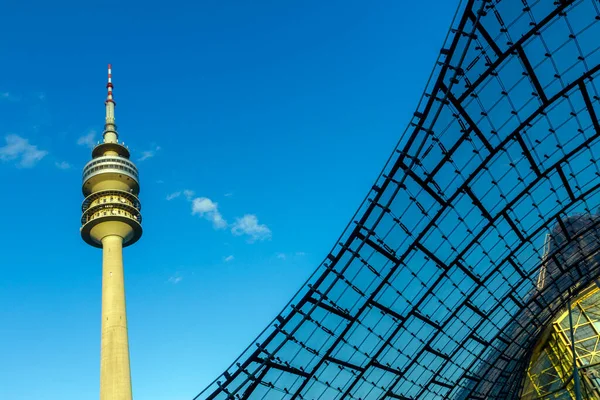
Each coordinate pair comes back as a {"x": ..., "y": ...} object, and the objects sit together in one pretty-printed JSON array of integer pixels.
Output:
[{"x": 431, "y": 290}]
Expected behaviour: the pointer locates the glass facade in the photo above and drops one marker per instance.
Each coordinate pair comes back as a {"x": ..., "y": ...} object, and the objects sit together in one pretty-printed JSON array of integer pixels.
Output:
[{"x": 472, "y": 241}]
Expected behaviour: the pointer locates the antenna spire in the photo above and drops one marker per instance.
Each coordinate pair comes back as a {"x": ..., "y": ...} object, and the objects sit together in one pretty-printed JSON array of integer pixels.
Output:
[
  {"x": 110, "y": 129},
  {"x": 109, "y": 85}
]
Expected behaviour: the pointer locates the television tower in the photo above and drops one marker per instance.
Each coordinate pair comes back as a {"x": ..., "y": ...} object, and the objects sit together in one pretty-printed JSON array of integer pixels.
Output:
[{"x": 111, "y": 220}]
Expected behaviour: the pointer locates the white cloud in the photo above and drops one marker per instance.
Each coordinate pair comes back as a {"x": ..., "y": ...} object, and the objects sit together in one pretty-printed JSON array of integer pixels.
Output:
[
  {"x": 149, "y": 153},
  {"x": 160, "y": 181},
  {"x": 188, "y": 194},
  {"x": 229, "y": 258},
  {"x": 300, "y": 253},
  {"x": 41, "y": 96},
  {"x": 173, "y": 195},
  {"x": 281, "y": 256},
  {"x": 19, "y": 149},
  {"x": 62, "y": 165},
  {"x": 248, "y": 225},
  {"x": 87, "y": 140},
  {"x": 208, "y": 210},
  {"x": 229, "y": 194},
  {"x": 175, "y": 279}
]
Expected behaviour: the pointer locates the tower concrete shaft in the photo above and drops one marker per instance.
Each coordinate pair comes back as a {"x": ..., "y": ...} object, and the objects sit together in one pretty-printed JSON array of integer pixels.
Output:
[
  {"x": 115, "y": 376},
  {"x": 112, "y": 220}
]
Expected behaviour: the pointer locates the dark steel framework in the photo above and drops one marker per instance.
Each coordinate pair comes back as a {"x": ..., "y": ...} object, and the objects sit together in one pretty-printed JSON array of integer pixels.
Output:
[{"x": 431, "y": 291}]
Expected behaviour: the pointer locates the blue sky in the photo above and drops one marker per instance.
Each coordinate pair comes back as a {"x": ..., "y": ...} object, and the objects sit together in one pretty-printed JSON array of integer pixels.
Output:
[{"x": 257, "y": 128}]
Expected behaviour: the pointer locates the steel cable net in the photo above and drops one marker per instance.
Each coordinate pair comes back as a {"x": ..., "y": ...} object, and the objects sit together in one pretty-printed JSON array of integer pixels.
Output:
[{"x": 432, "y": 289}]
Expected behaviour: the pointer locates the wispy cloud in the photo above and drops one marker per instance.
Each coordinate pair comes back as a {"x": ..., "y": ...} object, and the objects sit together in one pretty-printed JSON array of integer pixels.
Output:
[
  {"x": 248, "y": 225},
  {"x": 7, "y": 96},
  {"x": 202, "y": 206},
  {"x": 175, "y": 279},
  {"x": 173, "y": 195},
  {"x": 209, "y": 210},
  {"x": 229, "y": 194},
  {"x": 87, "y": 140},
  {"x": 283, "y": 256},
  {"x": 229, "y": 258},
  {"x": 149, "y": 153},
  {"x": 20, "y": 150},
  {"x": 188, "y": 194},
  {"x": 62, "y": 165},
  {"x": 41, "y": 96}
]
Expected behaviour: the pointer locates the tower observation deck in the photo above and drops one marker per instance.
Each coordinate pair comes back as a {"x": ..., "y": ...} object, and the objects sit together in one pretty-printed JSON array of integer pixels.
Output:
[{"x": 112, "y": 220}]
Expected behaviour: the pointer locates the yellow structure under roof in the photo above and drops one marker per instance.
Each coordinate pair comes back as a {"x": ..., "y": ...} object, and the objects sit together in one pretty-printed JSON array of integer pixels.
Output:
[
  {"x": 550, "y": 371},
  {"x": 112, "y": 220}
]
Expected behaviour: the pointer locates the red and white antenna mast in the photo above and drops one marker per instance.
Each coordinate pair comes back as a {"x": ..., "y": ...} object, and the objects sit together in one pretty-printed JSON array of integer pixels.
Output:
[
  {"x": 110, "y": 129},
  {"x": 109, "y": 85}
]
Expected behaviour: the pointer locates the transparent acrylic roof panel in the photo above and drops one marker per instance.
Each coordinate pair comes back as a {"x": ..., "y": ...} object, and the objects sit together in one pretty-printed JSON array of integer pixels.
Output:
[{"x": 430, "y": 292}]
